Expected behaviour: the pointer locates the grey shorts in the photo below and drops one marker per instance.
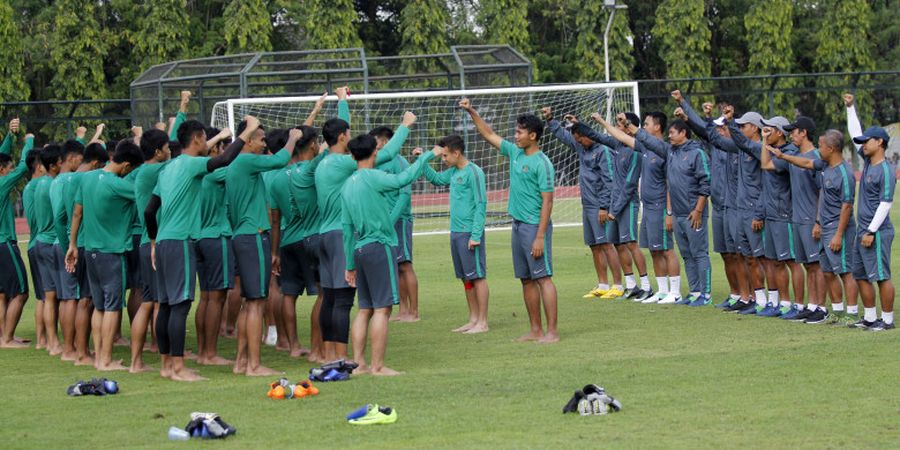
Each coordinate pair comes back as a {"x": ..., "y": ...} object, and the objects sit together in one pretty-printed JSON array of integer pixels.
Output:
[
  {"x": 149, "y": 279},
  {"x": 596, "y": 233},
  {"x": 72, "y": 286},
  {"x": 332, "y": 262},
  {"x": 718, "y": 230},
  {"x": 838, "y": 262},
  {"x": 808, "y": 249},
  {"x": 749, "y": 242},
  {"x": 108, "y": 275},
  {"x": 13, "y": 281},
  {"x": 732, "y": 218},
  {"x": 35, "y": 274},
  {"x": 403, "y": 250},
  {"x": 653, "y": 231},
  {"x": 300, "y": 267},
  {"x": 48, "y": 266},
  {"x": 133, "y": 258},
  {"x": 468, "y": 264},
  {"x": 780, "y": 242},
  {"x": 176, "y": 270},
  {"x": 215, "y": 264},
  {"x": 253, "y": 253},
  {"x": 628, "y": 224},
  {"x": 526, "y": 266},
  {"x": 873, "y": 263},
  {"x": 376, "y": 276}
]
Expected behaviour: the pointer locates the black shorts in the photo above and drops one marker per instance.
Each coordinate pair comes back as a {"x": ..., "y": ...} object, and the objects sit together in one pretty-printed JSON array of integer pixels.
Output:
[
  {"x": 376, "y": 276},
  {"x": 13, "y": 281},
  {"x": 215, "y": 264},
  {"x": 35, "y": 273},
  {"x": 176, "y": 266},
  {"x": 300, "y": 267},
  {"x": 468, "y": 264},
  {"x": 403, "y": 250},
  {"x": 133, "y": 258},
  {"x": 48, "y": 266},
  {"x": 332, "y": 262},
  {"x": 253, "y": 253},
  {"x": 72, "y": 286},
  {"x": 108, "y": 275},
  {"x": 149, "y": 279}
]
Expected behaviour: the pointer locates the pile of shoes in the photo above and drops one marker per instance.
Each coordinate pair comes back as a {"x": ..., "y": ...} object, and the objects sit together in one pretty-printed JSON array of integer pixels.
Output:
[
  {"x": 282, "y": 389},
  {"x": 592, "y": 401},
  {"x": 339, "y": 370},
  {"x": 372, "y": 414},
  {"x": 208, "y": 426},
  {"x": 97, "y": 386}
]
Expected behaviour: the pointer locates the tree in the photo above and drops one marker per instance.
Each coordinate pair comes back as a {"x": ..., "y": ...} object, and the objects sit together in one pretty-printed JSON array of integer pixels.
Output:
[
  {"x": 684, "y": 36},
  {"x": 769, "y": 24},
  {"x": 12, "y": 53},
  {"x": 162, "y": 33},
  {"x": 505, "y": 23},
  {"x": 248, "y": 27},
  {"x": 590, "y": 20},
  {"x": 843, "y": 46},
  {"x": 423, "y": 28},
  {"x": 330, "y": 24}
]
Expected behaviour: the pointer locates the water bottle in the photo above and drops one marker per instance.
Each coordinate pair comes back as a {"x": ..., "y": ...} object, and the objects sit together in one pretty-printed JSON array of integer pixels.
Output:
[{"x": 177, "y": 434}]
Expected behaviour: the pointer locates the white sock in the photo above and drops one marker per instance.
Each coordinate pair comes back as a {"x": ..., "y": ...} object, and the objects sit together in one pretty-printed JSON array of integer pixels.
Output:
[
  {"x": 773, "y": 297},
  {"x": 675, "y": 285},
  {"x": 617, "y": 287},
  {"x": 662, "y": 285},
  {"x": 760, "y": 297},
  {"x": 735, "y": 296},
  {"x": 272, "y": 331},
  {"x": 853, "y": 309},
  {"x": 629, "y": 281},
  {"x": 887, "y": 317},
  {"x": 869, "y": 315},
  {"x": 645, "y": 283},
  {"x": 786, "y": 303},
  {"x": 800, "y": 306},
  {"x": 837, "y": 307},
  {"x": 602, "y": 287}
]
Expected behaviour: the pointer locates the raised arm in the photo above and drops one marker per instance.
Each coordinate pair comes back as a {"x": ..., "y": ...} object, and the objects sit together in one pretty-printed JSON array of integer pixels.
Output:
[
  {"x": 694, "y": 121},
  {"x": 234, "y": 149},
  {"x": 223, "y": 135},
  {"x": 765, "y": 160},
  {"x": 6, "y": 146},
  {"x": 311, "y": 118},
  {"x": 343, "y": 107},
  {"x": 438, "y": 178},
  {"x": 798, "y": 161},
  {"x": 558, "y": 131},
  {"x": 655, "y": 145},
  {"x": 265, "y": 163},
  {"x": 483, "y": 128},
  {"x": 393, "y": 146},
  {"x": 181, "y": 116},
  {"x": 616, "y": 133},
  {"x": 747, "y": 146},
  {"x": 389, "y": 182},
  {"x": 854, "y": 126}
]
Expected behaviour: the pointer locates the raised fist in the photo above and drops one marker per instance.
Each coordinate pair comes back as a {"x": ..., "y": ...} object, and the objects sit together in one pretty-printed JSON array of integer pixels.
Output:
[
  {"x": 80, "y": 132},
  {"x": 848, "y": 100},
  {"x": 408, "y": 119},
  {"x": 570, "y": 118},
  {"x": 417, "y": 151},
  {"x": 679, "y": 113},
  {"x": 707, "y": 108},
  {"x": 252, "y": 123},
  {"x": 728, "y": 112},
  {"x": 342, "y": 92},
  {"x": 676, "y": 94},
  {"x": 14, "y": 125},
  {"x": 465, "y": 104},
  {"x": 597, "y": 117},
  {"x": 294, "y": 135}
]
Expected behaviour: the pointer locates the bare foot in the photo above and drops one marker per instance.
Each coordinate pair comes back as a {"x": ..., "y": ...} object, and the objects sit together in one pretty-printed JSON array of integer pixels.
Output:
[
  {"x": 66, "y": 356},
  {"x": 282, "y": 348},
  {"x": 549, "y": 338},
  {"x": 315, "y": 358},
  {"x": 165, "y": 373},
  {"x": 463, "y": 328},
  {"x": 40, "y": 346},
  {"x": 22, "y": 340},
  {"x": 385, "y": 372},
  {"x": 189, "y": 355},
  {"x": 362, "y": 370},
  {"x": 262, "y": 371},
  {"x": 299, "y": 352},
  {"x": 55, "y": 351},
  {"x": 85, "y": 361},
  {"x": 477, "y": 329},
  {"x": 240, "y": 367},
  {"x": 411, "y": 318},
  {"x": 216, "y": 361},
  {"x": 139, "y": 366},
  {"x": 13, "y": 344},
  {"x": 113, "y": 365},
  {"x": 186, "y": 375},
  {"x": 121, "y": 342},
  {"x": 397, "y": 318},
  {"x": 533, "y": 336}
]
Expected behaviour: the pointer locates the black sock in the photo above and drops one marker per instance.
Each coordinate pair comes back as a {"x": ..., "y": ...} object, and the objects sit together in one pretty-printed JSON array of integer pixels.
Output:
[
  {"x": 162, "y": 329},
  {"x": 177, "y": 323},
  {"x": 325, "y": 314},
  {"x": 340, "y": 315}
]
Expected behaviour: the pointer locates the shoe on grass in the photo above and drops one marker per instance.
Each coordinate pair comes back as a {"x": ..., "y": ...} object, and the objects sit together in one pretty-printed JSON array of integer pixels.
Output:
[
  {"x": 686, "y": 300},
  {"x": 726, "y": 303},
  {"x": 644, "y": 295},
  {"x": 818, "y": 316},
  {"x": 803, "y": 315},
  {"x": 769, "y": 311},
  {"x": 880, "y": 325},
  {"x": 595, "y": 293},
  {"x": 613, "y": 293},
  {"x": 702, "y": 300},
  {"x": 670, "y": 299},
  {"x": 376, "y": 415},
  {"x": 792, "y": 313}
]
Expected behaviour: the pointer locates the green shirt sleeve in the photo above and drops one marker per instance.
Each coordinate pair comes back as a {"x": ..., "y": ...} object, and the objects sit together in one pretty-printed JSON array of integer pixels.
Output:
[
  {"x": 60, "y": 218},
  {"x": 392, "y": 148},
  {"x": 6, "y": 146},
  {"x": 508, "y": 149},
  {"x": 438, "y": 179},
  {"x": 123, "y": 188},
  {"x": 388, "y": 182},
  {"x": 13, "y": 177},
  {"x": 343, "y": 110},
  {"x": 479, "y": 190},
  {"x": 404, "y": 199},
  {"x": 306, "y": 175},
  {"x": 179, "y": 119},
  {"x": 80, "y": 140},
  {"x": 265, "y": 163},
  {"x": 349, "y": 235}
]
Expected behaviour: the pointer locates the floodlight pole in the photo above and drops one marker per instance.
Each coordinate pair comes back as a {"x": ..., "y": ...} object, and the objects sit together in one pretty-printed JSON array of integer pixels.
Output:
[{"x": 612, "y": 7}]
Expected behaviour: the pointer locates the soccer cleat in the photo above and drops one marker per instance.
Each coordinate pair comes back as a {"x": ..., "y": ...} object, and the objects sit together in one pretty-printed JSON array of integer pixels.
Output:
[
  {"x": 880, "y": 325},
  {"x": 657, "y": 297},
  {"x": 336, "y": 375},
  {"x": 818, "y": 316},
  {"x": 737, "y": 306},
  {"x": 725, "y": 303},
  {"x": 686, "y": 300},
  {"x": 359, "y": 412},
  {"x": 644, "y": 295},
  {"x": 594, "y": 293},
  {"x": 670, "y": 299},
  {"x": 702, "y": 300},
  {"x": 376, "y": 416},
  {"x": 647, "y": 299},
  {"x": 846, "y": 320},
  {"x": 769, "y": 311},
  {"x": 835, "y": 317},
  {"x": 613, "y": 293},
  {"x": 629, "y": 293},
  {"x": 574, "y": 403},
  {"x": 750, "y": 309},
  {"x": 863, "y": 324},
  {"x": 802, "y": 316},
  {"x": 791, "y": 314}
]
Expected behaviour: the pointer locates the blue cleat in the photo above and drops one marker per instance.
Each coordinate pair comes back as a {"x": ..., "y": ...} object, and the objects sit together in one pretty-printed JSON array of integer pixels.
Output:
[
  {"x": 687, "y": 300},
  {"x": 750, "y": 309},
  {"x": 702, "y": 300},
  {"x": 726, "y": 303},
  {"x": 769, "y": 311},
  {"x": 791, "y": 314}
]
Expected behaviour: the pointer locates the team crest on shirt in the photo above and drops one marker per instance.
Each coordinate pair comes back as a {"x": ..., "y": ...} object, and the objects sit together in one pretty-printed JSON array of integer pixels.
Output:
[
  {"x": 868, "y": 178},
  {"x": 459, "y": 180},
  {"x": 828, "y": 183},
  {"x": 525, "y": 169}
]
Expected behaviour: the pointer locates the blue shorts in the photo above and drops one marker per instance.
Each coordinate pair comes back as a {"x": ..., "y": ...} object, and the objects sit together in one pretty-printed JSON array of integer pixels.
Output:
[
  {"x": 627, "y": 223},
  {"x": 526, "y": 266},
  {"x": 873, "y": 263},
  {"x": 108, "y": 275},
  {"x": 48, "y": 265},
  {"x": 596, "y": 233},
  {"x": 750, "y": 243},
  {"x": 72, "y": 286},
  {"x": 376, "y": 276},
  {"x": 732, "y": 218},
  {"x": 838, "y": 262},
  {"x": 403, "y": 250},
  {"x": 718, "y": 230},
  {"x": 780, "y": 242},
  {"x": 653, "y": 230},
  {"x": 808, "y": 248},
  {"x": 468, "y": 264}
]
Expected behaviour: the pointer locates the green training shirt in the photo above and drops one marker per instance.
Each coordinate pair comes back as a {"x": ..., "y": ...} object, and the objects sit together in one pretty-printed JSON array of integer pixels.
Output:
[
  {"x": 43, "y": 211},
  {"x": 144, "y": 183},
  {"x": 213, "y": 212},
  {"x": 178, "y": 187},
  {"x": 108, "y": 207},
  {"x": 28, "y": 205},
  {"x": 8, "y": 182},
  {"x": 468, "y": 197},
  {"x": 529, "y": 176},
  {"x": 61, "y": 219},
  {"x": 246, "y": 193},
  {"x": 303, "y": 196}
]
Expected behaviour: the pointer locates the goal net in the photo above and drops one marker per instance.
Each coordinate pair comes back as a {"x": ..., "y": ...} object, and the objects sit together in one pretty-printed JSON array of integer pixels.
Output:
[{"x": 438, "y": 115}]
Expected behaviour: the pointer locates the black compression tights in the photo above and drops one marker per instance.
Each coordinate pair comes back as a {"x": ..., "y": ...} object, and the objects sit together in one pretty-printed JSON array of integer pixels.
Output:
[
  {"x": 334, "y": 318},
  {"x": 170, "y": 328}
]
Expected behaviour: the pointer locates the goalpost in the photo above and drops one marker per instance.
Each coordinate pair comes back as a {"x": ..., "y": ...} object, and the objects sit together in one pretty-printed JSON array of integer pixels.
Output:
[{"x": 438, "y": 115}]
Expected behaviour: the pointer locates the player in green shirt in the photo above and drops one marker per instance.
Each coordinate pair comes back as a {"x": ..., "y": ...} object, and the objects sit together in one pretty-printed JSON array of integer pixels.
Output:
[
  {"x": 45, "y": 238},
  {"x": 104, "y": 208},
  {"x": 368, "y": 235},
  {"x": 531, "y": 183},
  {"x": 36, "y": 170},
  {"x": 13, "y": 282},
  {"x": 468, "y": 205},
  {"x": 174, "y": 257}
]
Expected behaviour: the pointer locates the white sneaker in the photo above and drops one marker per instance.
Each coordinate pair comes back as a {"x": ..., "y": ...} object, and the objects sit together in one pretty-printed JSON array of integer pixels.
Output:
[
  {"x": 670, "y": 299},
  {"x": 652, "y": 299},
  {"x": 272, "y": 337}
]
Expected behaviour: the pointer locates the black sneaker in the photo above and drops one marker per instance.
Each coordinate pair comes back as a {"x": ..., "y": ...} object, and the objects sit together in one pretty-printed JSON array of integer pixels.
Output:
[
  {"x": 737, "y": 306},
  {"x": 643, "y": 295},
  {"x": 862, "y": 324},
  {"x": 629, "y": 293},
  {"x": 805, "y": 314},
  {"x": 817, "y": 317},
  {"x": 879, "y": 325}
]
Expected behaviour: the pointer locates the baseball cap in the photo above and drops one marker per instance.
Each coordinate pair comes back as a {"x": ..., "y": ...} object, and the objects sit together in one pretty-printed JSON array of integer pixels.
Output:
[
  {"x": 750, "y": 117},
  {"x": 873, "y": 133},
  {"x": 778, "y": 122},
  {"x": 720, "y": 121},
  {"x": 803, "y": 123}
]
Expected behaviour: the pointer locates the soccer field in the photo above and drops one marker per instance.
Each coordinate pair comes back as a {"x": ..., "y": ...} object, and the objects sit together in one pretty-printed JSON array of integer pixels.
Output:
[{"x": 687, "y": 377}]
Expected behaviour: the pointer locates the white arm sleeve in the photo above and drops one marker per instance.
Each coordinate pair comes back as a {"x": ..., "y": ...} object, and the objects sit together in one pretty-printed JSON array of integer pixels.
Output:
[
  {"x": 884, "y": 208},
  {"x": 853, "y": 125}
]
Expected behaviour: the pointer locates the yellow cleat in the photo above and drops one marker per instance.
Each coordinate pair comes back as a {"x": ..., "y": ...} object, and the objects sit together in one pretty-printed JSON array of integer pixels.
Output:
[
  {"x": 596, "y": 293},
  {"x": 613, "y": 293}
]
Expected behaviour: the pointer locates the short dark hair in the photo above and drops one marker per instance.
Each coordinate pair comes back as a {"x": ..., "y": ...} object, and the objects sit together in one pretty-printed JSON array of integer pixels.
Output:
[
  {"x": 175, "y": 148},
  {"x": 660, "y": 118},
  {"x": 211, "y": 132},
  {"x": 581, "y": 130},
  {"x": 151, "y": 141},
  {"x": 72, "y": 147},
  {"x": 532, "y": 124},
  {"x": 333, "y": 128},
  {"x": 276, "y": 139},
  {"x": 362, "y": 146},
  {"x": 95, "y": 152},
  {"x": 310, "y": 134},
  {"x": 243, "y": 126},
  {"x": 453, "y": 142},
  {"x": 52, "y": 154},
  {"x": 680, "y": 125},
  {"x": 128, "y": 152},
  {"x": 34, "y": 156},
  {"x": 382, "y": 132},
  {"x": 188, "y": 130},
  {"x": 5, "y": 160},
  {"x": 633, "y": 118}
]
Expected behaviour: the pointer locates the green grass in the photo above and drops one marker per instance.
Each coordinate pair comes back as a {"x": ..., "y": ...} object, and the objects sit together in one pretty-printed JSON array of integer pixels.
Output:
[{"x": 687, "y": 377}]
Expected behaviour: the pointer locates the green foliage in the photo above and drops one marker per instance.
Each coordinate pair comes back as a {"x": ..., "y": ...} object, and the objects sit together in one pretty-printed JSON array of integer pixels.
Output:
[
  {"x": 769, "y": 25},
  {"x": 423, "y": 28},
  {"x": 330, "y": 24},
  {"x": 505, "y": 22},
  {"x": 162, "y": 33},
  {"x": 684, "y": 36},
  {"x": 590, "y": 21},
  {"x": 248, "y": 27},
  {"x": 12, "y": 52}
]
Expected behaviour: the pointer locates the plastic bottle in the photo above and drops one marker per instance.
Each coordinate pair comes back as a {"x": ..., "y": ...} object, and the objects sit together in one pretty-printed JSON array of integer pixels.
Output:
[{"x": 177, "y": 434}]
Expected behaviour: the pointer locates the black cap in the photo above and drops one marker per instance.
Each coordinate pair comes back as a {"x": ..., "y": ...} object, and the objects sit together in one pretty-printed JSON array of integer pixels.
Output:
[{"x": 803, "y": 123}]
